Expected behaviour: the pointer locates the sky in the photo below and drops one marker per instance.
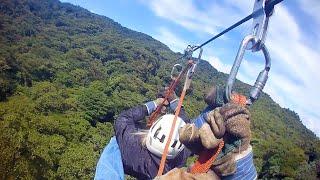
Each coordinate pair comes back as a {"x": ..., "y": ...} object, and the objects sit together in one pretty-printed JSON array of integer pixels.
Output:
[{"x": 293, "y": 41}]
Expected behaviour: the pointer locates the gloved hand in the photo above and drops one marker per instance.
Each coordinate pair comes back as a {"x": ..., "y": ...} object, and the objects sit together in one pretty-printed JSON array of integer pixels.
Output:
[
  {"x": 152, "y": 105},
  {"x": 237, "y": 137},
  {"x": 232, "y": 122},
  {"x": 237, "y": 123},
  {"x": 206, "y": 131},
  {"x": 158, "y": 103},
  {"x": 181, "y": 173}
]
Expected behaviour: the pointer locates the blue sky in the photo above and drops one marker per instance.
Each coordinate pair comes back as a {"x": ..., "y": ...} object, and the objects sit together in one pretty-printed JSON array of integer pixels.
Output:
[{"x": 293, "y": 41}]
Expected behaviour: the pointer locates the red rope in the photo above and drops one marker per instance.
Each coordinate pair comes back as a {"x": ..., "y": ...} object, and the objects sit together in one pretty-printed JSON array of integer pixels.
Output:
[
  {"x": 206, "y": 159},
  {"x": 172, "y": 86},
  {"x": 165, "y": 152}
]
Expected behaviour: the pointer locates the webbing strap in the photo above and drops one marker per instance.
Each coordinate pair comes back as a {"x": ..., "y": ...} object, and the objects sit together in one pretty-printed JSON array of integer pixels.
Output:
[
  {"x": 165, "y": 152},
  {"x": 206, "y": 159},
  {"x": 208, "y": 156},
  {"x": 172, "y": 86},
  {"x": 238, "y": 99}
]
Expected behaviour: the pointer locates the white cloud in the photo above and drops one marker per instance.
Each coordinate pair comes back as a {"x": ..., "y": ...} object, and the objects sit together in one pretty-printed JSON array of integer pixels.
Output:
[
  {"x": 206, "y": 20},
  {"x": 299, "y": 82},
  {"x": 218, "y": 64},
  {"x": 311, "y": 7},
  {"x": 167, "y": 37}
]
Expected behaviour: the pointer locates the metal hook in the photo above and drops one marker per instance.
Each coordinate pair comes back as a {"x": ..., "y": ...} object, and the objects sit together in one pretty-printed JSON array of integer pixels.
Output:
[
  {"x": 262, "y": 77},
  {"x": 188, "y": 52},
  {"x": 191, "y": 71},
  {"x": 256, "y": 40},
  {"x": 176, "y": 67},
  {"x": 260, "y": 24}
]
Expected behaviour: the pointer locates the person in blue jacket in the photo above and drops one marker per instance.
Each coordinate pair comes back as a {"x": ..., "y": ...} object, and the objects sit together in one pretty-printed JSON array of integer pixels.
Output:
[{"x": 138, "y": 153}]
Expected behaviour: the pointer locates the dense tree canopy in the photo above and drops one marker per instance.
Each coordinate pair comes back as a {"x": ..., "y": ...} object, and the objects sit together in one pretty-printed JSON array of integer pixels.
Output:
[{"x": 65, "y": 75}]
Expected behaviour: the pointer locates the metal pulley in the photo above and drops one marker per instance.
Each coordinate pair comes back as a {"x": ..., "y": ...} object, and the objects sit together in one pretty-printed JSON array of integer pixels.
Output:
[{"x": 188, "y": 52}]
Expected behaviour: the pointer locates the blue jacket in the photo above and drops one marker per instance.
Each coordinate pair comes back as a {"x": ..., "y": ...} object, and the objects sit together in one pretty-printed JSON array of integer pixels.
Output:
[
  {"x": 137, "y": 160},
  {"x": 110, "y": 166}
]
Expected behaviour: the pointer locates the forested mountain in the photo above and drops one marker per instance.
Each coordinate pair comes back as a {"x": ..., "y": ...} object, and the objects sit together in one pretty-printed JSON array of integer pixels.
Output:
[{"x": 65, "y": 74}]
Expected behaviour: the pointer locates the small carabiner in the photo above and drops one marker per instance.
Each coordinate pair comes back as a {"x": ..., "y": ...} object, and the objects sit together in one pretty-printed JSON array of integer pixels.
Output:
[
  {"x": 262, "y": 77},
  {"x": 191, "y": 71},
  {"x": 176, "y": 70}
]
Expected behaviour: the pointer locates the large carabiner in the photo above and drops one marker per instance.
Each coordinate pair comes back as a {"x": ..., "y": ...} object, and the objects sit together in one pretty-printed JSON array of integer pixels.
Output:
[
  {"x": 262, "y": 77},
  {"x": 254, "y": 42}
]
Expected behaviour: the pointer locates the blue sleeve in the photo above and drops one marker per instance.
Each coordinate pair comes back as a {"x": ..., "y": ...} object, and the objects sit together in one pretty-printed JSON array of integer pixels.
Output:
[
  {"x": 202, "y": 118},
  {"x": 151, "y": 106},
  {"x": 110, "y": 166},
  {"x": 245, "y": 169}
]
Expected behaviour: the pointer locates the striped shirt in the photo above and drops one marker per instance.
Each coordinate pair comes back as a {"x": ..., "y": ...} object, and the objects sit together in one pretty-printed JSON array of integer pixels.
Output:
[{"x": 245, "y": 169}]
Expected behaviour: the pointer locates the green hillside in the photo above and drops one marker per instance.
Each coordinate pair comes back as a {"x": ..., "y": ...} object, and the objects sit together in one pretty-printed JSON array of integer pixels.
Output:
[{"x": 65, "y": 75}]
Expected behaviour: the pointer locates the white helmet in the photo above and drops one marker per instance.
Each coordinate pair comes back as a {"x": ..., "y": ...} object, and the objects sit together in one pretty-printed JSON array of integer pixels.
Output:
[{"x": 158, "y": 136}]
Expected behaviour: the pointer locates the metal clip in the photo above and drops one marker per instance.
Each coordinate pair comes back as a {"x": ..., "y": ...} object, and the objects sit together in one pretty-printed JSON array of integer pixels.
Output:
[
  {"x": 192, "y": 69},
  {"x": 254, "y": 42},
  {"x": 262, "y": 77},
  {"x": 176, "y": 70},
  {"x": 260, "y": 24},
  {"x": 188, "y": 52}
]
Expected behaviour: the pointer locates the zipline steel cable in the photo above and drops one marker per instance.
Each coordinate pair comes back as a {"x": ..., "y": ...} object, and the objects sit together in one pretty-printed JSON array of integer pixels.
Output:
[{"x": 268, "y": 9}]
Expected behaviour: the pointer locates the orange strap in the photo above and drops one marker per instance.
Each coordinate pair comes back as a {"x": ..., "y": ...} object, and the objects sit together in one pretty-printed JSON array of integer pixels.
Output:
[
  {"x": 158, "y": 109},
  {"x": 238, "y": 99},
  {"x": 172, "y": 86},
  {"x": 206, "y": 159},
  {"x": 165, "y": 152}
]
